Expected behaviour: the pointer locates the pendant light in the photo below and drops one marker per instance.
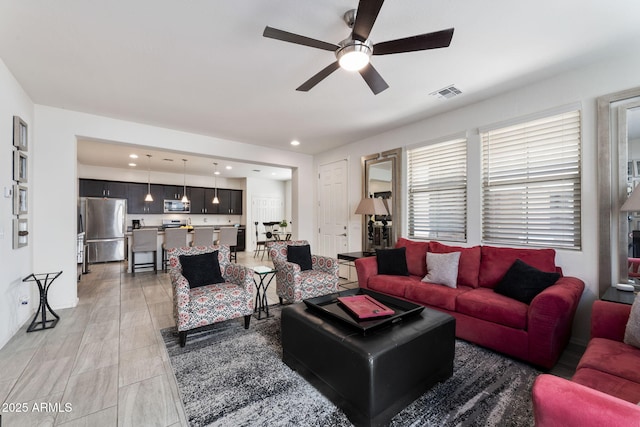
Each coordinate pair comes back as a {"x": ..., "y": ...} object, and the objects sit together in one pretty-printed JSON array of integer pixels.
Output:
[
  {"x": 184, "y": 182},
  {"x": 149, "y": 198},
  {"x": 215, "y": 200}
]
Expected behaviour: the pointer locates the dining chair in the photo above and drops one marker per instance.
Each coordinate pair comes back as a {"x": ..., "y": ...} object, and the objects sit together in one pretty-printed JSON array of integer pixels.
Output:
[{"x": 261, "y": 245}]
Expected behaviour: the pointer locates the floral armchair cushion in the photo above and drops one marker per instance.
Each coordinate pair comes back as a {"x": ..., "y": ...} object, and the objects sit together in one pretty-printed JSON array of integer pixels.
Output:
[
  {"x": 295, "y": 285},
  {"x": 204, "y": 305}
]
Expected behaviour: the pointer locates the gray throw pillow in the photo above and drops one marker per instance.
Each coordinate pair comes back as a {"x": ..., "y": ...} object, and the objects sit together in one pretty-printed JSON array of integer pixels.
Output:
[
  {"x": 632, "y": 332},
  {"x": 442, "y": 269}
]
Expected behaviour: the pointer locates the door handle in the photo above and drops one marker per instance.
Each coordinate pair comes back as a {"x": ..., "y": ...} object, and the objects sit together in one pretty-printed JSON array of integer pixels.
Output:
[{"x": 343, "y": 234}]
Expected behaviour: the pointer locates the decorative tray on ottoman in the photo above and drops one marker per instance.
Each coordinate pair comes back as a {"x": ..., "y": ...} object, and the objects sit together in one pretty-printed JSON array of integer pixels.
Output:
[{"x": 331, "y": 306}]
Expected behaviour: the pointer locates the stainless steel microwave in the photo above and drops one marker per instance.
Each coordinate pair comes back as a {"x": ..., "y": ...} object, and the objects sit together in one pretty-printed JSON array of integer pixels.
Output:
[{"x": 173, "y": 206}]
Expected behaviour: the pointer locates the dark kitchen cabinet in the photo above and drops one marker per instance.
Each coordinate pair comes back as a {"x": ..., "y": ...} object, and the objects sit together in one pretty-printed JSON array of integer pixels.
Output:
[
  {"x": 242, "y": 235},
  {"x": 202, "y": 200},
  {"x": 173, "y": 192},
  {"x": 230, "y": 201},
  {"x": 102, "y": 188},
  {"x": 137, "y": 194}
]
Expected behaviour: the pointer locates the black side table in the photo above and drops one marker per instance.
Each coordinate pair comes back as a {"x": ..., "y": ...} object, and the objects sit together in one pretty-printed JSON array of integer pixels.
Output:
[
  {"x": 44, "y": 281},
  {"x": 349, "y": 258},
  {"x": 623, "y": 297},
  {"x": 261, "y": 304}
]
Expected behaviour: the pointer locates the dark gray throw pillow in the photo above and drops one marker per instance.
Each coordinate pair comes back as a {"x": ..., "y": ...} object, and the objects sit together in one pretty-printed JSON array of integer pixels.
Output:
[
  {"x": 392, "y": 261},
  {"x": 202, "y": 269},
  {"x": 523, "y": 282},
  {"x": 300, "y": 255}
]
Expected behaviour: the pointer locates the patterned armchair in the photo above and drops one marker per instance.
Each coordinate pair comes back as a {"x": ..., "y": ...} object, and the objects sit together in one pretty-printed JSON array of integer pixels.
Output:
[
  {"x": 204, "y": 305},
  {"x": 293, "y": 284}
]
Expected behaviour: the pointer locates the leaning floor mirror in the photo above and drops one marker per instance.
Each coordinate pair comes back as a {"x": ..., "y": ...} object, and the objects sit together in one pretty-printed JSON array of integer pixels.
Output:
[{"x": 381, "y": 180}]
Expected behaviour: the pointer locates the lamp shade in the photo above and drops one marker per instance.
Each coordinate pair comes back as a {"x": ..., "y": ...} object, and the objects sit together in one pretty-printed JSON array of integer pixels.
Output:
[
  {"x": 633, "y": 202},
  {"x": 371, "y": 206}
]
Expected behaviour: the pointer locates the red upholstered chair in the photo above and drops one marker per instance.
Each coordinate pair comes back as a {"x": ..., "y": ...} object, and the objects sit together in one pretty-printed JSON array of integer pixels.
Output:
[{"x": 634, "y": 267}]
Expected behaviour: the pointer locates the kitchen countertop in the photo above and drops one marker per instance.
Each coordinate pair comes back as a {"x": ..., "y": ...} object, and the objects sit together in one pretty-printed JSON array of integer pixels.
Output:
[{"x": 161, "y": 229}]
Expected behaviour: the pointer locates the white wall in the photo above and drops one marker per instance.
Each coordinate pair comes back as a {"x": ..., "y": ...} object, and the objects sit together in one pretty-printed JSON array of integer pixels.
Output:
[
  {"x": 581, "y": 86},
  {"x": 55, "y": 168},
  {"x": 15, "y": 264}
]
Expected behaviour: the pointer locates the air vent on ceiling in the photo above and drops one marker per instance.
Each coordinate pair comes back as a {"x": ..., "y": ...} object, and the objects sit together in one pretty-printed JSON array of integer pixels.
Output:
[
  {"x": 168, "y": 160},
  {"x": 447, "y": 92}
]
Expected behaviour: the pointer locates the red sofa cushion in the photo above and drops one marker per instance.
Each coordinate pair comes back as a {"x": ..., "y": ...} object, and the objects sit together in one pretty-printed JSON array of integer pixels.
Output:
[
  {"x": 435, "y": 295},
  {"x": 613, "y": 357},
  {"x": 392, "y": 285},
  {"x": 495, "y": 262},
  {"x": 487, "y": 305},
  {"x": 416, "y": 256},
  {"x": 469, "y": 264},
  {"x": 610, "y": 384}
]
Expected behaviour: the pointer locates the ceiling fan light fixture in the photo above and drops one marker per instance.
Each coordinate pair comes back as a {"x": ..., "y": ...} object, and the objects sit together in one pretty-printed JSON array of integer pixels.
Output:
[{"x": 354, "y": 55}]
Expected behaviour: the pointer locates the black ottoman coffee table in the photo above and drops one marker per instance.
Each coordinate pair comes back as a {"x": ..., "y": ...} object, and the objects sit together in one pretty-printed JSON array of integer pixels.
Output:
[{"x": 371, "y": 374}]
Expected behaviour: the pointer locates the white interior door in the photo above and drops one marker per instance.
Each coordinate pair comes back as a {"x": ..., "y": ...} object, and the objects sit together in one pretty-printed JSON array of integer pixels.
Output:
[{"x": 333, "y": 210}]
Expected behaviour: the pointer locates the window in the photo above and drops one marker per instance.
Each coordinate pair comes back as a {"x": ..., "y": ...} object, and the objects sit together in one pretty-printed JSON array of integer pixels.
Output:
[
  {"x": 437, "y": 184},
  {"x": 531, "y": 183}
]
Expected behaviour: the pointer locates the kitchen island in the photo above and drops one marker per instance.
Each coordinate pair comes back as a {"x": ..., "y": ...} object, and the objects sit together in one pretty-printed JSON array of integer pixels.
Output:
[{"x": 147, "y": 257}]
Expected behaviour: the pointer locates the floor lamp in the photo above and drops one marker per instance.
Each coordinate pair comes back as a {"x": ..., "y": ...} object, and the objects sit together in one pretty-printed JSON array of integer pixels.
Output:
[
  {"x": 632, "y": 204},
  {"x": 371, "y": 206}
]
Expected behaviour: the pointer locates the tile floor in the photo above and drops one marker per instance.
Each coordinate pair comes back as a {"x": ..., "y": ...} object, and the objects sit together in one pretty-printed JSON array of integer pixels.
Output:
[{"x": 105, "y": 363}]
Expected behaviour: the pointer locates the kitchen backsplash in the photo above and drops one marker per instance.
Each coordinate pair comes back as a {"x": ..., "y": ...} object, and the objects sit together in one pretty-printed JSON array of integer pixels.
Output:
[{"x": 156, "y": 220}]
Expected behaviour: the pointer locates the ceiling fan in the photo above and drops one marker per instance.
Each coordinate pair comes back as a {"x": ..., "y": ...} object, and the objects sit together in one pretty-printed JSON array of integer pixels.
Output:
[{"x": 353, "y": 53}]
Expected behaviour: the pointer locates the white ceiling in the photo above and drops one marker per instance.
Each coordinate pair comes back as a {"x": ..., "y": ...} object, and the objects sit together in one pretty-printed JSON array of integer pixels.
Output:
[
  {"x": 102, "y": 154},
  {"x": 203, "y": 66}
]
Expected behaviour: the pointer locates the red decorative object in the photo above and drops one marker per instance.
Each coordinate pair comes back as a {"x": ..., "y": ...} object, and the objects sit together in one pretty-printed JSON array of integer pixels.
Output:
[{"x": 365, "y": 307}]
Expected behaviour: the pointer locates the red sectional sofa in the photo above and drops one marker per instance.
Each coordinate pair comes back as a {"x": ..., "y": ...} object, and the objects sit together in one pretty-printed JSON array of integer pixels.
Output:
[
  {"x": 536, "y": 332},
  {"x": 605, "y": 389}
]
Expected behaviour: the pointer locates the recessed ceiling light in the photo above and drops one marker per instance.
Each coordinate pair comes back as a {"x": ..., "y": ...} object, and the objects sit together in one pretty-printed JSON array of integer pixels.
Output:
[
  {"x": 133, "y": 156},
  {"x": 132, "y": 164},
  {"x": 273, "y": 173},
  {"x": 229, "y": 168},
  {"x": 295, "y": 142},
  {"x": 216, "y": 173}
]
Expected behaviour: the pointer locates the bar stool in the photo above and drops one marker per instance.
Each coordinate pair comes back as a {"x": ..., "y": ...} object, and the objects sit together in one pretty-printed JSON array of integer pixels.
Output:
[
  {"x": 202, "y": 236},
  {"x": 229, "y": 236},
  {"x": 144, "y": 240},
  {"x": 173, "y": 238}
]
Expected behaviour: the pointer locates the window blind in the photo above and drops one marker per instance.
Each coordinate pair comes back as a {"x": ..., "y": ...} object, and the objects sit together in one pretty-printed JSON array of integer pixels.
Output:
[
  {"x": 531, "y": 183},
  {"x": 437, "y": 184}
]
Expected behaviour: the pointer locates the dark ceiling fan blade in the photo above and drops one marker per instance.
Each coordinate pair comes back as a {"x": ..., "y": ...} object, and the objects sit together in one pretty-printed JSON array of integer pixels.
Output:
[
  {"x": 323, "y": 74},
  {"x": 373, "y": 79},
  {"x": 274, "y": 33},
  {"x": 415, "y": 43},
  {"x": 365, "y": 18}
]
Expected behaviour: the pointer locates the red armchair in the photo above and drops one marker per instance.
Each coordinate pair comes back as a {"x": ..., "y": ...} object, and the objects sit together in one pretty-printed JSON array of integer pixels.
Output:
[{"x": 605, "y": 389}]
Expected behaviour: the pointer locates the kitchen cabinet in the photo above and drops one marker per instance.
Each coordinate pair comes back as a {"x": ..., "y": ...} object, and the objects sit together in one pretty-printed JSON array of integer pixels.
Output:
[
  {"x": 230, "y": 201},
  {"x": 173, "y": 192},
  {"x": 201, "y": 200},
  {"x": 102, "y": 188},
  {"x": 136, "y": 204},
  {"x": 242, "y": 235}
]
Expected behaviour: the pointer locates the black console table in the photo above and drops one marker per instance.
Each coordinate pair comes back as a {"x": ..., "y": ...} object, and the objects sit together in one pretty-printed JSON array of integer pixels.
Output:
[{"x": 44, "y": 281}]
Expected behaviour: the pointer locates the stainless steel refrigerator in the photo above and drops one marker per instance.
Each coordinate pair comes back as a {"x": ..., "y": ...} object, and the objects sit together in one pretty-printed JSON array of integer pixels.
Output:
[{"x": 103, "y": 221}]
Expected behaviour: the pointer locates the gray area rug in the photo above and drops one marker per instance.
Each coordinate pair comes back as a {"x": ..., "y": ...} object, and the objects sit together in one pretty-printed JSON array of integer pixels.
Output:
[{"x": 229, "y": 376}]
